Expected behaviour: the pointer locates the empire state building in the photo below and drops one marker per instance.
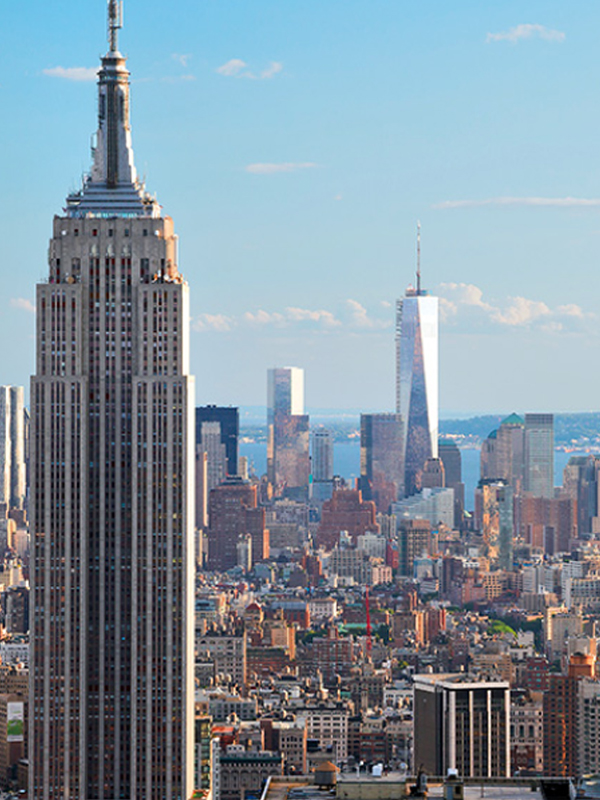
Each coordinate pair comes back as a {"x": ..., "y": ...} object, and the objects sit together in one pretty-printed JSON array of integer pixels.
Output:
[{"x": 112, "y": 486}]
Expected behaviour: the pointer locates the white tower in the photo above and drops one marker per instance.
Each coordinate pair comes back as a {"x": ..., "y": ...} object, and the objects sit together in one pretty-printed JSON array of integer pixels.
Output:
[{"x": 417, "y": 376}]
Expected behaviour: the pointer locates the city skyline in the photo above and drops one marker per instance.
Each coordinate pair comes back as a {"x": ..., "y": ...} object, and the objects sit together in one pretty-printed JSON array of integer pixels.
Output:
[{"x": 501, "y": 166}]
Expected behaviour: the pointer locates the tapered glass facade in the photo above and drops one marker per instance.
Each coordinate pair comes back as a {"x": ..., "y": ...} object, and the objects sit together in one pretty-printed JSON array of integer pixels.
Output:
[{"x": 417, "y": 381}]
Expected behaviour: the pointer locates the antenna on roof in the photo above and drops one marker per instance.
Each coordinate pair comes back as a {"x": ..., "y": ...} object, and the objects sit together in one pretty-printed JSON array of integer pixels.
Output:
[
  {"x": 115, "y": 23},
  {"x": 418, "y": 258}
]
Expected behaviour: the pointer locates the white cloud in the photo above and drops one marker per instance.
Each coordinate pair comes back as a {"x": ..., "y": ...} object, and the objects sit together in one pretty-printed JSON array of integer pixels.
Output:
[
  {"x": 463, "y": 304},
  {"x": 213, "y": 322},
  {"x": 521, "y": 311},
  {"x": 272, "y": 169},
  {"x": 232, "y": 68},
  {"x": 526, "y": 31},
  {"x": 262, "y": 317},
  {"x": 73, "y": 73},
  {"x": 554, "y": 202},
  {"x": 236, "y": 68},
  {"x": 360, "y": 318},
  {"x": 23, "y": 304},
  {"x": 325, "y": 318}
]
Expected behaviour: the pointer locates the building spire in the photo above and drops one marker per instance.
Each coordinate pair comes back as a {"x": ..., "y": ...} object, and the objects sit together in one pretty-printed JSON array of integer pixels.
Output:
[
  {"x": 418, "y": 257},
  {"x": 112, "y": 187},
  {"x": 115, "y": 23}
]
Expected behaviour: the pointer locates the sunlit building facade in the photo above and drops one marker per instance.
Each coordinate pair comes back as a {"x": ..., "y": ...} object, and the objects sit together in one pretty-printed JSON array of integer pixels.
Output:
[
  {"x": 112, "y": 447},
  {"x": 382, "y": 459},
  {"x": 288, "y": 445},
  {"x": 417, "y": 380}
]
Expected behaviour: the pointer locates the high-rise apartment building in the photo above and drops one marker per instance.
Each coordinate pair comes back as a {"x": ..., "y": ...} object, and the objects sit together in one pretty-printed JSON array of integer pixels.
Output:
[
  {"x": 417, "y": 378},
  {"x": 462, "y": 722},
  {"x": 539, "y": 455},
  {"x": 381, "y": 459},
  {"x": 12, "y": 446},
  {"x": 112, "y": 445},
  {"x": 288, "y": 459}
]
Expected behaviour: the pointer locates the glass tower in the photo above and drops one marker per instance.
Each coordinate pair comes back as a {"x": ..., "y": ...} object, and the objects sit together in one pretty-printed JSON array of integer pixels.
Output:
[
  {"x": 539, "y": 455},
  {"x": 417, "y": 381},
  {"x": 112, "y": 438}
]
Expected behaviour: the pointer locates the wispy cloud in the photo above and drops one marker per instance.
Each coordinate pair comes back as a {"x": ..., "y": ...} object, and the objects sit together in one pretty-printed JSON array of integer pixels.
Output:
[
  {"x": 272, "y": 169},
  {"x": 72, "y": 73},
  {"x": 360, "y": 318},
  {"x": 325, "y": 318},
  {"x": 292, "y": 315},
  {"x": 236, "y": 68},
  {"x": 463, "y": 305},
  {"x": 552, "y": 202},
  {"x": 274, "y": 68},
  {"x": 23, "y": 304},
  {"x": 178, "y": 78},
  {"x": 353, "y": 316},
  {"x": 232, "y": 68},
  {"x": 181, "y": 58},
  {"x": 262, "y": 317},
  {"x": 527, "y": 31},
  {"x": 213, "y": 322}
]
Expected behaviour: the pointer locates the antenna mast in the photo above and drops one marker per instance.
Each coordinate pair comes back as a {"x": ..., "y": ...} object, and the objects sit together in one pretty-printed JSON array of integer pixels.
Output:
[
  {"x": 115, "y": 23},
  {"x": 418, "y": 258}
]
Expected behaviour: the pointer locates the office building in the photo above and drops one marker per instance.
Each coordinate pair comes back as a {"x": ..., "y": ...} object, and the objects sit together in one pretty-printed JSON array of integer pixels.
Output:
[
  {"x": 450, "y": 454},
  {"x": 436, "y": 505},
  {"x": 539, "y": 455},
  {"x": 288, "y": 459},
  {"x": 322, "y": 455},
  {"x": 228, "y": 420},
  {"x": 12, "y": 447},
  {"x": 346, "y": 511},
  {"x": 414, "y": 541},
  {"x": 233, "y": 512},
  {"x": 462, "y": 722},
  {"x": 381, "y": 459},
  {"x": 112, "y": 447},
  {"x": 581, "y": 482},
  {"x": 502, "y": 453},
  {"x": 417, "y": 378}
]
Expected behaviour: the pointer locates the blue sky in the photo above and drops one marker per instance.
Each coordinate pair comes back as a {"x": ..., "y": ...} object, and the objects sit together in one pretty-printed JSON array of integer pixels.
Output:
[{"x": 296, "y": 143}]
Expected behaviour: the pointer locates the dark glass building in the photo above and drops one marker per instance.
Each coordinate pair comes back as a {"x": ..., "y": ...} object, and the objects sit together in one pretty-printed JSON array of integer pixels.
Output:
[{"x": 228, "y": 418}]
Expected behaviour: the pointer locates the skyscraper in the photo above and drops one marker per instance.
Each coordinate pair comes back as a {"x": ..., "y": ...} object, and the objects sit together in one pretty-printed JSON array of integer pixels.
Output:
[
  {"x": 12, "y": 446},
  {"x": 112, "y": 474},
  {"x": 381, "y": 459},
  {"x": 462, "y": 723},
  {"x": 417, "y": 377},
  {"x": 321, "y": 460},
  {"x": 288, "y": 460},
  {"x": 539, "y": 455},
  {"x": 228, "y": 418}
]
